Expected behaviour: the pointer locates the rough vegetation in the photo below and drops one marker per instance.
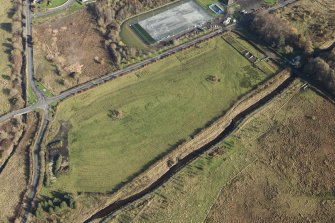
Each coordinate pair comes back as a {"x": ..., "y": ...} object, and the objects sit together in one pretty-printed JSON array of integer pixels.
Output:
[
  {"x": 54, "y": 208},
  {"x": 314, "y": 19},
  {"x": 12, "y": 50},
  {"x": 10, "y": 133},
  {"x": 15, "y": 173},
  {"x": 322, "y": 70},
  {"x": 69, "y": 52}
]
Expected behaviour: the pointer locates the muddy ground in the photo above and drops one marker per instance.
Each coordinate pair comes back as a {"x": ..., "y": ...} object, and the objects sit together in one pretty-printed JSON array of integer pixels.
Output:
[{"x": 69, "y": 51}]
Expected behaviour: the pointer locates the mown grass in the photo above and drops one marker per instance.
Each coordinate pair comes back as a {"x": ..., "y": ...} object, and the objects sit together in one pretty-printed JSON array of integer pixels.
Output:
[
  {"x": 5, "y": 70},
  {"x": 53, "y": 4},
  {"x": 42, "y": 88},
  {"x": 31, "y": 96},
  {"x": 162, "y": 104}
]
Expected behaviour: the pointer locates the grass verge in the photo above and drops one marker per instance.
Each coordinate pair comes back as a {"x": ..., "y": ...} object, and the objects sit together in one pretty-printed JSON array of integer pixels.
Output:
[
  {"x": 31, "y": 96},
  {"x": 45, "y": 91}
]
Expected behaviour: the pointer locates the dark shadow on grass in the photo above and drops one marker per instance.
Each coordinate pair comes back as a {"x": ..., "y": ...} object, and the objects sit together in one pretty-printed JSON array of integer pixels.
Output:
[
  {"x": 8, "y": 48},
  {"x": 10, "y": 13},
  {"x": 6, "y": 26}
]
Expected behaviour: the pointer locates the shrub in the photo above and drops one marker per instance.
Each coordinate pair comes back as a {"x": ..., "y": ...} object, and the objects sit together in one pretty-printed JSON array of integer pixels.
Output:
[{"x": 115, "y": 114}]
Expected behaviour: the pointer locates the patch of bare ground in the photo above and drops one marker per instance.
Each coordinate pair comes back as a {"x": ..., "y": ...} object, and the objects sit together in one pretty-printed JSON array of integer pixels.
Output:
[
  {"x": 69, "y": 51},
  {"x": 15, "y": 176},
  {"x": 293, "y": 179}
]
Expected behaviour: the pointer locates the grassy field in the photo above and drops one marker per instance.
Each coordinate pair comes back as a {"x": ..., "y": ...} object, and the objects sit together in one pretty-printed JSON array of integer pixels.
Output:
[
  {"x": 72, "y": 9},
  {"x": 241, "y": 45},
  {"x": 270, "y": 2},
  {"x": 5, "y": 71},
  {"x": 53, "y": 3},
  {"x": 188, "y": 196},
  {"x": 161, "y": 105},
  {"x": 271, "y": 169}
]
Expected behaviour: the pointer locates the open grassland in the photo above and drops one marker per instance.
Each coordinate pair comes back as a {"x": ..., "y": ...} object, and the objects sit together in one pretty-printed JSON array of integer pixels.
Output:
[
  {"x": 124, "y": 125},
  {"x": 52, "y": 4},
  {"x": 241, "y": 45},
  {"x": 273, "y": 168},
  {"x": 69, "y": 51},
  {"x": 5, "y": 46}
]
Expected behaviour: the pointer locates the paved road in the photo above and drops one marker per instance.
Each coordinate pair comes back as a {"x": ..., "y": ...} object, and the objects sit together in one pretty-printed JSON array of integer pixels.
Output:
[
  {"x": 66, "y": 5},
  {"x": 40, "y": 104},
  {"x": 36, "y": 167},
  {"x": 30, "y": 60}
]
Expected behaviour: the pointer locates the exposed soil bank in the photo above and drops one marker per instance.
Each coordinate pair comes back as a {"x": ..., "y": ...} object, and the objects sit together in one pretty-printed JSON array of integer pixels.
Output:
[{"x": 161, "y": 171}]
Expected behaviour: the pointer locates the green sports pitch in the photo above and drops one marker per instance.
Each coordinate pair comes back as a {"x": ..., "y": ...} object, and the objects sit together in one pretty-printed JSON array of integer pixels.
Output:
[{"x": 144, "y": 35}]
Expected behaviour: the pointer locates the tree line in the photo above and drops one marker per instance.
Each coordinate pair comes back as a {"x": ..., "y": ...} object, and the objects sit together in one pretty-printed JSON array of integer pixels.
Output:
[
  {"x": 286, "y": 38},
  {"x": 279, "y": 33},
  {"x": 110, "y": 14},
  {"x": 14, "y": 93},
  {"x": 322, "y": 70}
]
